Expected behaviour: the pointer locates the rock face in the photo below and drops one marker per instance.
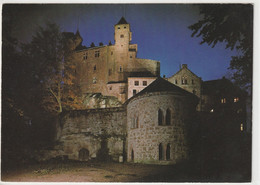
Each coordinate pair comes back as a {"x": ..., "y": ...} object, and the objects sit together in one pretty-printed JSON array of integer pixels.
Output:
[{"x": 95, "y": 133}]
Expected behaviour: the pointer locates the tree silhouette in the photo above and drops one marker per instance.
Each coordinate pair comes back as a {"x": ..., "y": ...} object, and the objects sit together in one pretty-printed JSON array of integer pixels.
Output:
[
  {"x": 232, "y": 24},
  {"x": 53, "y": 69}
]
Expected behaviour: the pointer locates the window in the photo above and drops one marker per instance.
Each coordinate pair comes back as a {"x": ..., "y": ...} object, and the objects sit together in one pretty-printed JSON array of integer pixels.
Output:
[
  {"x": 136, "y": 122},
  {"x": 241, "y": 127},
  {"x": 160, "y": 117},
  {"x": 94, "y": 80},
  {"x": 136, "y": 83},
  {"x": 168, "y": 117},
  {"x": 168, "y": 152},
  {"x": 192, "y": 81},
  {"x": 131, "y": 56},
  {"x": 95, "y": 68},
  {"x": 223, "y": 100},
  {"x": 134, "y": 92},
  {"x": 85, "y": 56},
  {"x": 109, "y": 72},
  {"x": 120, "y": 69},
  {"x": 124, "y": 27},
  {"x": 144, "y": 83},
  {"x": 97, "y": 54},
  {"x": 118, "y": 27},
  {"x": 236, "y": 99},
  {"x": 121, "y": 36},
  {"x": 160, "y": 151},
  {"x": 176, "y": 82},
  {"x": 184, "y": 81},
  {"x": 132, "y": 155},
  {"x": 111, "y": 52},
  {"x": 122, "y": 90},
  {"x": 110, "y": 88}
]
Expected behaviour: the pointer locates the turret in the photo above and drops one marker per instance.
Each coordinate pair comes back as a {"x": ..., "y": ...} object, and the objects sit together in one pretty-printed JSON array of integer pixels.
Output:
[{"x": 123, "y": 35}]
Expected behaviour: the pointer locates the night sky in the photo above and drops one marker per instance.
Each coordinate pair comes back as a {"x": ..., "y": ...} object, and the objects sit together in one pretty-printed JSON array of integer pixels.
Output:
[{"x": 161, "y": 32}]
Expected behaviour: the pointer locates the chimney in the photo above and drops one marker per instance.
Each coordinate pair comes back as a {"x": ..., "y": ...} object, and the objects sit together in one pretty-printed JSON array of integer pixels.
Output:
[{"x": 184, "y": 66}]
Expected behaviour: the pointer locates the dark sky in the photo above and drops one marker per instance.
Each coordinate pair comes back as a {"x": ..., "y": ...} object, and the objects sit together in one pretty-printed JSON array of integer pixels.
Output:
[{"x": 159, "y": 30}]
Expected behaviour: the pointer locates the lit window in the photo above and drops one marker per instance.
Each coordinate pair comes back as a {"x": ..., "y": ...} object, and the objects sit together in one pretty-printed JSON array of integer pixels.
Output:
[
  {"x": 223, "y": 100},
  {"x": 144, "y": 83},
  {"x": 236, "y": 99},
  {"x": 241, "y": 127},
  {"x": 96, "y": 54},
  {"x": 121, "y": 36},
  {"x": 94, "y": 80},
  {"x": 136, "y": 83},
  {"x": 85, "y": 56},
  {"x": 212, "y": 110},
  {"x": 134, "y": 92}
]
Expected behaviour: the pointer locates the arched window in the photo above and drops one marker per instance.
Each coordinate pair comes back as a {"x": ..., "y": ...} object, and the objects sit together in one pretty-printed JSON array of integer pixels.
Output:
[
  {"x": 160, "y": 117},
  {"x": 132, "y": 155},
  {"x": 136, "y": 122},
  {"x": 160, "y": 151},
  {"x": 168, "y": 117},
  {"x": 168, "y": 152}
]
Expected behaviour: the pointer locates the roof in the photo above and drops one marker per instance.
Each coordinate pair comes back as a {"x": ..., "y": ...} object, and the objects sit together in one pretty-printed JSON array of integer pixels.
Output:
[
  {"x": 122, "y": 21},
  {"x": 183, "y": 69},
  {"x": 220, "y": 86},
  {"x": 162, "y": 85}
]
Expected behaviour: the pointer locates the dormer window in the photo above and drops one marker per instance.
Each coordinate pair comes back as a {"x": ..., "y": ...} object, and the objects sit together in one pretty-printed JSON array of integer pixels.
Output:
[{"x": 184, "y": 81}]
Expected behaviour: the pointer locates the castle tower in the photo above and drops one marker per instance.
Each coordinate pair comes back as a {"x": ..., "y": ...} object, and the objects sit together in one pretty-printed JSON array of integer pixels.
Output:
[{"x": 123, "y": 35}]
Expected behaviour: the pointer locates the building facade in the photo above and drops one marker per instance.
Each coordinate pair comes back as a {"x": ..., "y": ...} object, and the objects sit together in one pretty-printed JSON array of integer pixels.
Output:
[{"x": 154, "y": 123}]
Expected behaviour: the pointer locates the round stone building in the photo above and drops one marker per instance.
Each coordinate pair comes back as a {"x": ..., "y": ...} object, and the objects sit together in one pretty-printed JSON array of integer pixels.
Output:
[{"x": 157, "y": 122}]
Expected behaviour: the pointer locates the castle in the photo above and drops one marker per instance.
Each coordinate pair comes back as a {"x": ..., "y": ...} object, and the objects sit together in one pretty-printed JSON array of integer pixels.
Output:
[{"x": 156, "y": 116}]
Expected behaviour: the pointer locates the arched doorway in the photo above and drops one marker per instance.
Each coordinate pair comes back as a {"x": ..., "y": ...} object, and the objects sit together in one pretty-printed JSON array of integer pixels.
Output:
[{"x": 83, "y": 154}]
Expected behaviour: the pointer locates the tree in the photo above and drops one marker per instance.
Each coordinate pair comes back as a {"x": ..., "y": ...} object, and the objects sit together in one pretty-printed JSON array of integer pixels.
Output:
[
  {"x": 53, "y": 69},
  {"x": 232, "y": 24}
]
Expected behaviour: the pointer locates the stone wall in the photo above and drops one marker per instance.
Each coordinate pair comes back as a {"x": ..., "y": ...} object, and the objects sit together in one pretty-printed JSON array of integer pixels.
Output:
[
  {"x": 96, "y": 133},
  {"x": 145, "y": 135}
]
